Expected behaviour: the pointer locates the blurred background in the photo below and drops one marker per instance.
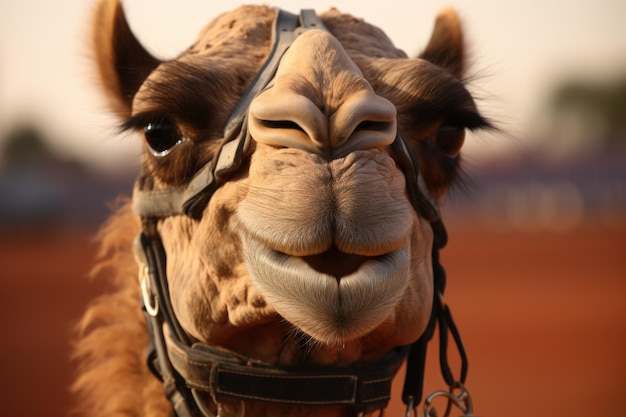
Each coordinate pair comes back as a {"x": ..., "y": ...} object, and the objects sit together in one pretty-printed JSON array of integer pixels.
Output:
[{"x": 537, "y": 252}]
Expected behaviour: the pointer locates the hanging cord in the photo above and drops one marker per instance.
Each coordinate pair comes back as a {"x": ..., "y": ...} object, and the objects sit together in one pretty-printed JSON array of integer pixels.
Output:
[
  {"x": 414, "y": 380},
  {"x": 447, "y": 327},
  {"x": 416, "y": 363},
  {"x": 463, "y": 399}
]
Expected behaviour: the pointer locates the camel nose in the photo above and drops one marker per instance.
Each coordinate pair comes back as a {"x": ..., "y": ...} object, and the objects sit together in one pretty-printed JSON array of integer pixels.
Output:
[{"x": 322, "y": 106}]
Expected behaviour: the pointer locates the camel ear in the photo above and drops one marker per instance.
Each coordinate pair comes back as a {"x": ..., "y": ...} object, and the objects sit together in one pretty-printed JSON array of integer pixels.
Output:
[
  {"x": 446, "y": 47},
  {"x": 123, "y": 64}
]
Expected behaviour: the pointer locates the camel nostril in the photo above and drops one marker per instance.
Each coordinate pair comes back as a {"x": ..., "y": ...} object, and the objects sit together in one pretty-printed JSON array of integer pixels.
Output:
[
  {"x": 369, "y": 125},
  {"x": 281, "y": 124},
  {"x": 284, "y": 119},
  {"x": 363, "y": 121},
  {"x": 335, "y": 263}
]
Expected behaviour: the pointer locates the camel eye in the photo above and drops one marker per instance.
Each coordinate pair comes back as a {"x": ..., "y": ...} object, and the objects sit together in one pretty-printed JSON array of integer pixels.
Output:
[
  {"x": 162, "y": 137},
  {"x": 450, "y": 139}
]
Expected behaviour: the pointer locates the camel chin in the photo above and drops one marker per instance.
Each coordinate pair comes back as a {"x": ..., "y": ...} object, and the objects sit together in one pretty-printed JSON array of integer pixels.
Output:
[{"x": 330, "y": 309}]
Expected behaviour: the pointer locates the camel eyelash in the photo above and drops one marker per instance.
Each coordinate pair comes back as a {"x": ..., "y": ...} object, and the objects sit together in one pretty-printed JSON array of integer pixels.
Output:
[{"x": 141, "y": 120}]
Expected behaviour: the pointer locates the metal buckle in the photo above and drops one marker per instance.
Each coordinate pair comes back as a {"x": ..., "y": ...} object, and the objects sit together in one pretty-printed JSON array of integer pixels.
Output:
[{"x": 462, "y": 401}]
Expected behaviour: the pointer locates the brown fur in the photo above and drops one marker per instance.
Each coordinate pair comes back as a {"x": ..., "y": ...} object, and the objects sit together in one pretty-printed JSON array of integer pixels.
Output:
[{"x": 309, "y": 201}]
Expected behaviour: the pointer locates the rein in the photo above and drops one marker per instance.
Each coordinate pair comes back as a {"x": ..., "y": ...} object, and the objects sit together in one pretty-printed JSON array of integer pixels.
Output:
[{"x": 193, "y": 372}]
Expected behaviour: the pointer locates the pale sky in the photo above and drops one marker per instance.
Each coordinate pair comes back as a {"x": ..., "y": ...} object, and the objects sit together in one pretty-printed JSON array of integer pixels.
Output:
[{"x": 518, "y": 48}]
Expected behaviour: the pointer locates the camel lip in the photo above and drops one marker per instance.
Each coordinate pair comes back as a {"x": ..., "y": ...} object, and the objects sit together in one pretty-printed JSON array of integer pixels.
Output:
[
  {"x": 332, "y": 262},
  {"x": 322, "y": 306}
]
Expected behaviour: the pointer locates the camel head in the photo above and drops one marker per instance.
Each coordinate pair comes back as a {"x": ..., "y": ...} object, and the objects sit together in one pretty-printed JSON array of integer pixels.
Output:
[{"x": 311, "y": 251}]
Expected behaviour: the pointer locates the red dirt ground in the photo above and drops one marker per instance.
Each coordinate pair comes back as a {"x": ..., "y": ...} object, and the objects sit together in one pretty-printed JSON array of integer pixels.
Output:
[{"x": 543, "y": 318}]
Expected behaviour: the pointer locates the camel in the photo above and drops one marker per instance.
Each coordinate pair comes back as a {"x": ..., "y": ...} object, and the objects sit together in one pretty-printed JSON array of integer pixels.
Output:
[{"x": 284, "y": 227}]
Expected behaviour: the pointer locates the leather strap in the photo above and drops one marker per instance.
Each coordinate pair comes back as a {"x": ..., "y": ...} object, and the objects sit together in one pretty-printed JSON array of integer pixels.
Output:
[
  {"x": 158, "y": 310},
  {"x": 225, "y": 374},
  {"x": 417, "y": 191}
]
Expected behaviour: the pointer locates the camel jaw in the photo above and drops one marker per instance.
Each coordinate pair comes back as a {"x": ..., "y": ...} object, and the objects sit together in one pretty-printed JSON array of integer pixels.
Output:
[{"x": 328, "y": 308}]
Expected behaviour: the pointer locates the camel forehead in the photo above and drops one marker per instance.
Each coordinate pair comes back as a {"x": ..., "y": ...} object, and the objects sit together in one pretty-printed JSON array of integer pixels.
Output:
[
  {"x": 247, "y": 29},
  {"x": 246, "y": 25}
]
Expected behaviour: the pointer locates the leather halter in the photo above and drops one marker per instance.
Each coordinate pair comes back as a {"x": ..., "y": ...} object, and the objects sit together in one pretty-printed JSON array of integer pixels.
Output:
[{"x": 191, "y": 371}]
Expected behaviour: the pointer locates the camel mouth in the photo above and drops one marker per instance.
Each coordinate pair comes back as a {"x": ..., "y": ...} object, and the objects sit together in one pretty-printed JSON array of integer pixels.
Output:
[
  {"x": 335, "y": 262},
  {"x": 331, "y": 303}
]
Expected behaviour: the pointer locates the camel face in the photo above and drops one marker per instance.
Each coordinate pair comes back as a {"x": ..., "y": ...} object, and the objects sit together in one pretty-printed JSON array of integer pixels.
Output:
[
  {"x": 314, "y": 237},
  {"x": 287, "y": 240}
]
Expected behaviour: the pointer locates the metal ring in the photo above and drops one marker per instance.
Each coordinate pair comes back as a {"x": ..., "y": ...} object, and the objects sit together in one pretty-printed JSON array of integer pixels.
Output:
[
  {"x": 463, "y": 401},
  {"x": 150, "y": 303}
]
